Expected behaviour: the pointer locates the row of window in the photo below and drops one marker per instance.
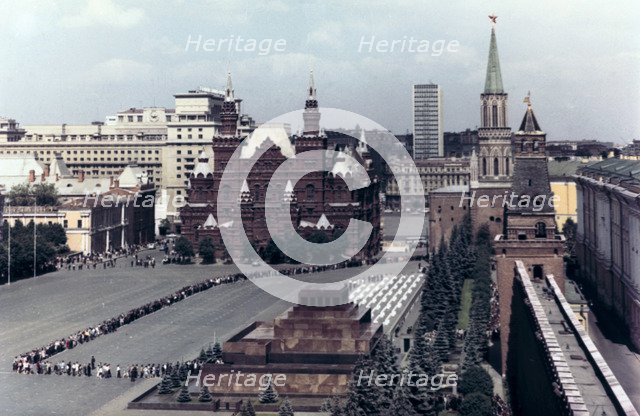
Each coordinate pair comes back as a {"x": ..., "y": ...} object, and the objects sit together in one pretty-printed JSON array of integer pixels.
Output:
[
  {"x": 138, "y": 119},
  {"x": 496, "y": 167}
]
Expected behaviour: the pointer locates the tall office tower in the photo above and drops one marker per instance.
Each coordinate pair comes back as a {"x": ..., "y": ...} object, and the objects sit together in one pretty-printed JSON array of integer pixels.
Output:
[{"x": 427, "y": 121}]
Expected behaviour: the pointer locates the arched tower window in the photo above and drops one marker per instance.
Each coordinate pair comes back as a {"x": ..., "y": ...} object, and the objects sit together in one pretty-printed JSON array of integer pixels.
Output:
[
  {"x": 484, "y": 166},
  {"x": 506, "y": 167},
  {"x": 496, "y": 167},
  {"x": 494, "y": 116},
  {"x": 311, "y": 192},
  {"x": 541, "y": 230}
]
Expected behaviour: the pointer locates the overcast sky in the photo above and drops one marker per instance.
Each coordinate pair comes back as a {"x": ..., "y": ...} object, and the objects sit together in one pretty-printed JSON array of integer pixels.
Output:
[{"x": 78, "y": 61}]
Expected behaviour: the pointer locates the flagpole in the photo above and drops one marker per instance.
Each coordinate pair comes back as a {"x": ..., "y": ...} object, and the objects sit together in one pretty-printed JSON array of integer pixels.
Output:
[
  {"x": 9, "y": 247},
  {"x": 35, "y": 208}
]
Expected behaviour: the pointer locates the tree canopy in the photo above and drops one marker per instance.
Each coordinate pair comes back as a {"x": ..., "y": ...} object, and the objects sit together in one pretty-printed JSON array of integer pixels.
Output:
[
  {"x": 45, "y": 194},
  {"x": 183, "y": 247}
]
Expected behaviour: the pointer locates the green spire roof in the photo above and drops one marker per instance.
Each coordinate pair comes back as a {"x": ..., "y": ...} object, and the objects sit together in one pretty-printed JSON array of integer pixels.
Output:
[{"x": 493, "y": 83}]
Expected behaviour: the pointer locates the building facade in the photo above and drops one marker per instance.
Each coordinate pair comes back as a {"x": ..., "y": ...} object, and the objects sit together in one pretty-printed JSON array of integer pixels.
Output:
[
  {"x": 319, "y": 203},
  {"x": 608, "y": 237},
  {"x": 164, "y": 142},
  {"x": 97, "y": 214},
  {"x": 427, "y": 121},
  {"x": 434, "y": 173},
  {"x": 563, "y": 185},
  {"x": 460, "y": 144}
]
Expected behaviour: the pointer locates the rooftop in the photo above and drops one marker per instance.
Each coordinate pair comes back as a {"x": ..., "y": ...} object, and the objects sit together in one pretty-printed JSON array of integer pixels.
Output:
[{"x": 566, "y": 168}]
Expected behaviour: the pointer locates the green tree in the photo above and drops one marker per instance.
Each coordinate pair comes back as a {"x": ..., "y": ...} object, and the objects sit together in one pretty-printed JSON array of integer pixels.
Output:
[
  {"x": 385, "y": 362},
  {"x": 53, "y": 233},
  {"x": 207, "y": 250},
  {"x": 476, "y": 404},
  {"x": 164, "y": 226},
  {"x": 204, "y": 396},
  {"x": 570, "y": 229},
  {"x": 401, "y": 405},
  {"x": 273, "y": 254},
  {"x": 184, "y": 396},
  {"x": 363, "y": 397},
  {"x": 476, "y": 339},
  {"x": 176, "y": 380},
  {"x": 268, "y": 395},
  {"x": 183, "y": 247},
  {"x": 247, "y": 409},
  {"x": 43, "y": 194},
  {"x": 203, "y": 356},
  {"x": 250, "y": 410},
  {"x": 217, "y": 351},
  {"x": 46, "y": 194},
  {"x": 441, "y": 343},
  {"x": 165, "y": 385},
  {"x": 476, "y": 380},
  {"x": 285, "y": 408}
]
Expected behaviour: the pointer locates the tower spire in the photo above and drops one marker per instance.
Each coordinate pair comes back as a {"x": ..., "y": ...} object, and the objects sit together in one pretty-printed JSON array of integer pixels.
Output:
[
  {"x": 312, "y": 86},
  {"x": 229, "y": 90},
  {"x": 529, "y": 123},
  {"x": 493, "y": 81},
  {"x": 229, "y": 112},
  {"x": 311, "y": 115}
]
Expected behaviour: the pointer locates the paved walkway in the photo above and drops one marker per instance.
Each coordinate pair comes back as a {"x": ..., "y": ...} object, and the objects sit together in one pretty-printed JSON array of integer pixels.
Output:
[{"x": 624, "y": 363}]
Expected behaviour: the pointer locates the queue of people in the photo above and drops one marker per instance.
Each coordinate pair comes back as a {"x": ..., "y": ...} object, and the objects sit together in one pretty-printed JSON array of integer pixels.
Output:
[
  {"x": 110, "y": 325},
  {"x": 95, "y": 260},
  {"x": 29, "y": 360},
  {"x": 105, "y": 370}
]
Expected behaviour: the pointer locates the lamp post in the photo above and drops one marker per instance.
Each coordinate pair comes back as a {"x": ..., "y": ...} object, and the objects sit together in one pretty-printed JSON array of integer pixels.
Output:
[
  {"x": 8, "y": 200},
  {"x": 35, "y": 208}
]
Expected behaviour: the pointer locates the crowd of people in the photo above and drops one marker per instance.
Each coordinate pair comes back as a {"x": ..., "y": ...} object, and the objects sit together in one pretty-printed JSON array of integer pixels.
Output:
[
  {"x": 38, "y": 355},
  {"x": 500, "y": 407},
  {"x": 93, "y": 260},
  {"x": 31, "y": 361},
  {"x": 105, "y": 370},
  {"x": 494, "y": 320}
]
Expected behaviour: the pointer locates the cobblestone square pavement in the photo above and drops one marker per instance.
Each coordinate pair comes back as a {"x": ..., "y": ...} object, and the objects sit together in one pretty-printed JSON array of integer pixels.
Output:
[{"x": 37, "y": 311}]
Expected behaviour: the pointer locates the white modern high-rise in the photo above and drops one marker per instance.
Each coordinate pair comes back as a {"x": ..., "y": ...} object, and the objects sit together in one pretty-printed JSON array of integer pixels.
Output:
[{"x": 427, "y": 121}]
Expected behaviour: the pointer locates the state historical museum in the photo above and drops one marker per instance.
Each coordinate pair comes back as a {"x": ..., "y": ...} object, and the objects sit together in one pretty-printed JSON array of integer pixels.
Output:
[{"x": 320, "y": 204}]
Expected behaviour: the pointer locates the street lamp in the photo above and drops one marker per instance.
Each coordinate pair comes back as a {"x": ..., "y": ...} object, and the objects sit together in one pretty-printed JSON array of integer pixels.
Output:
[
  {"x": 35, "y": 208},
  {"x": 8, "y": 200}
]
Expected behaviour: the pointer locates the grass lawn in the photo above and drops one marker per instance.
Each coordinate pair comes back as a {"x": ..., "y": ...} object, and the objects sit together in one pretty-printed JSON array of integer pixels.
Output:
[{"x": 465, "y": 304}]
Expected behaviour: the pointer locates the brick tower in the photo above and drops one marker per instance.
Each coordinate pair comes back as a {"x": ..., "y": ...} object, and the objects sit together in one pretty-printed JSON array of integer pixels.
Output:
[
  {"x": 493, "y": 165},
  {"x": 531, "y": 233}
]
